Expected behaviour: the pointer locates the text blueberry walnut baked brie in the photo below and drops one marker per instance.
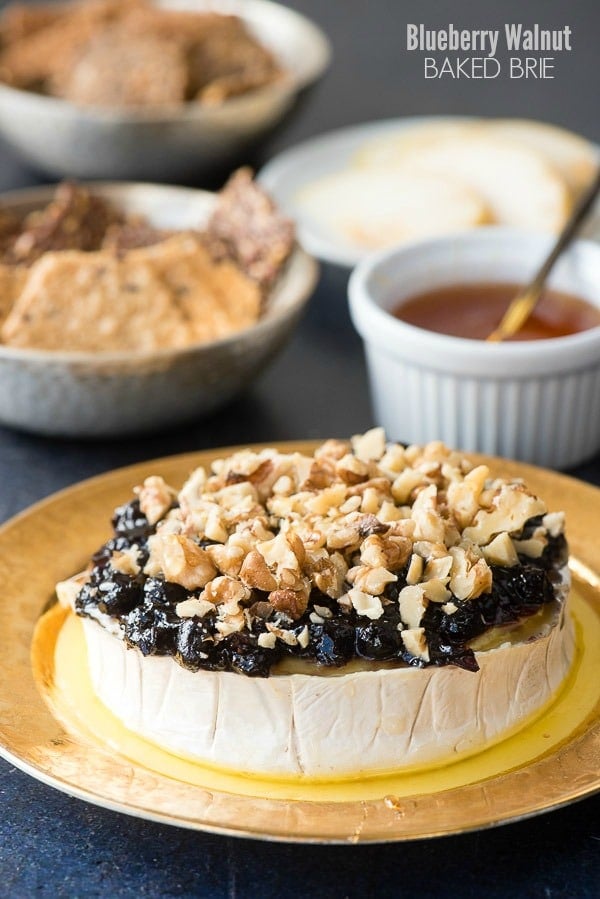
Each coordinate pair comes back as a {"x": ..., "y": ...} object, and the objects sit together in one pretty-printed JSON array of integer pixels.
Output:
[
  {"x": 365, "y": 550},
  {"x": 394, "y": 607}
]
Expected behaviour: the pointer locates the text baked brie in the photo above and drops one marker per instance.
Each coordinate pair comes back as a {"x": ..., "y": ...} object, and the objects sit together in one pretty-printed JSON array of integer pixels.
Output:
[{"x": 364, "y": 609}]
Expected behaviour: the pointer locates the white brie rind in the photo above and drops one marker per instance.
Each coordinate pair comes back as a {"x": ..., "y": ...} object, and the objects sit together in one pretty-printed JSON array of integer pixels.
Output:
[{"x": 331, "y": 727}]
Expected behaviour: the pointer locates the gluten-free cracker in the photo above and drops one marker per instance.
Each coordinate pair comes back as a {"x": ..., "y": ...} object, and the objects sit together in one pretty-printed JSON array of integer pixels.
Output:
[
  {"x": 165, "y": 296},
  {"x": 12, "y": 279}
]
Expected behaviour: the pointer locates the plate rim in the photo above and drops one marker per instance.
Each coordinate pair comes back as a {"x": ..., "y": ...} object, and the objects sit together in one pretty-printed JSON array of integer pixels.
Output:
[{"x": 123, "y": 478}]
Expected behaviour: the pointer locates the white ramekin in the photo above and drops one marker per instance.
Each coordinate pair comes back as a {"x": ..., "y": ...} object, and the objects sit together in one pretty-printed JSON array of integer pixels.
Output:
[{"x": 538, "y": 401}]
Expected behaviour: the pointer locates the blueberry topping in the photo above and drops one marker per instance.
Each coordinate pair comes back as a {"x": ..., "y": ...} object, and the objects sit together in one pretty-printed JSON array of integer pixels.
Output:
[{"x": 146, "y": 609}]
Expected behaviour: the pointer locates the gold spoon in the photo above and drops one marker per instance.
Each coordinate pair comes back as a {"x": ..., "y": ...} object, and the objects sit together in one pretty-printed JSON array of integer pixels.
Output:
[{"x": 524, "y": 303}]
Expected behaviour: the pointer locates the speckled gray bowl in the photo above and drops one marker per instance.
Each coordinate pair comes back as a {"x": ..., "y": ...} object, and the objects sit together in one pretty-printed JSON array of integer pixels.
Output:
[
  {"x": 86, "y": 142},
  {"x": 116, "y": 394}
]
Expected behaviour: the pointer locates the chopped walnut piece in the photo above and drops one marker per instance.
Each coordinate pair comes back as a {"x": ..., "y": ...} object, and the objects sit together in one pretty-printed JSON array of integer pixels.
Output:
[
  {"x": 214, "y": 529},
  {"x": 407, "y": 481},
  {"x": 369, "y": 524},
  {"x": 194, "y": 607},
  {"x": 534, "y": 546},
  {"x": 389, "y": 513},
  {"x": 352, "y": 470},
  {"x": 254, "y": 572},
  {"x": 283, "y": 485},
  {"x": 370, "y": 446},
  {"x": 554, "y": 522},
  {"x": 464, "y": 496},
  {"x": 429, "y": 524},
  {"x": 125, "y": 561},
  {"x": 438, "y": 568},
  {"x": 429, "y": 551},
  {"x": 378, "y": 488},
  {"x": 393, "y": 460},
  {"x": 68, "y": 591},
  {"x": 248, "y": 466},
  {"x": 415, "y": 570},
  {"x": 323, "y": 611},
  {"x": 371, "y": 580},
  {"x": 225, "y": 589},
  {"x": 372, "y": 553},
  {"x": 229, "y": 557},
  {"x": 512, "y": 506},
  {"x": 435, "y": 590},
  {"x": 330, "y": 579},
  {"x": 320, "y": 475},
  {"x": 156, "y": 498},
  {"x": 413, "y": 605},
  {"x": 471, "y": 576},
  {"x": 282, "y": 634},
  {"x": 365, "y": 604},
  {"x": 415, "y": 643},
  {"x": 304, "y": 637},
  {"x": 281, "y": 559},
  {"x": 345, "y": 537},
  {"x": 332, "y": 449},
  {"x": 449, "y": 608},
  {"x": 181, "y": 561},
  {"x": 329, "y": 498},
  {"x": 267, "y": 640},
  {"x": 501, "y": 551},
  {"x": 352, "y": 504},
  {"x": 386, "y": 552},
  {"x": 231, "y": 624},
  {"x": 297, "y": 547},
  {"x": 402, "y": 528},
  {"x": 293, "y": 602}
]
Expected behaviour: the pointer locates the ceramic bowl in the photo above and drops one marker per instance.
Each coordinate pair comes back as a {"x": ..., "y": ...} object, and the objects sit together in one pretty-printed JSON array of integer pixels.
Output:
[
  {"x": 83, "y": 394},
  {"x": 538, "y": 401},
  {"x": 65, "y": 139}
]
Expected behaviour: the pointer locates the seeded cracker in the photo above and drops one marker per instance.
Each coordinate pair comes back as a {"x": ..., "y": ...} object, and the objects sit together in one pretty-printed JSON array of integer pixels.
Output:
[
  {"x": 168, "y": 295},
  {"x": 10, "y": 226},
  {"x": 229, "y": 63},
  {"x": 12, "y": 279},
  {"x": 45, "y": 52},
  {"x": 247, "y": 228},
  {"x": 116, "y": 69},
  {"x": 20, "y": 21},
  {"x": 74, "y": 220},
  {"x": 223, "y": 58},
  {"x": 132, "y": 234}
]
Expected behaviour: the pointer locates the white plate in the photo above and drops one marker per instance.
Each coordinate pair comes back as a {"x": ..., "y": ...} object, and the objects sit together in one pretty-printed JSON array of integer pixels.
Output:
[{"x": 290, "y": 171}]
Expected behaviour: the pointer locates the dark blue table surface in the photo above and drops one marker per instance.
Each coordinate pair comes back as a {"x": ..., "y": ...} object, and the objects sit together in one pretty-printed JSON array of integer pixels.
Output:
[{"x": 55, "y": 846}]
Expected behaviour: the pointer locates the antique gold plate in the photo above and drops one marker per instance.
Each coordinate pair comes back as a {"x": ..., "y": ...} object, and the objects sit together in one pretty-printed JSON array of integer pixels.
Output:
[{"x": 54, "y": 539}]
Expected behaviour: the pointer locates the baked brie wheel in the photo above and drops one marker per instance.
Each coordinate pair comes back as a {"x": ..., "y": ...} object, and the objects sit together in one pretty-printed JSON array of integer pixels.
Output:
[{"x": 366, "y": 609}]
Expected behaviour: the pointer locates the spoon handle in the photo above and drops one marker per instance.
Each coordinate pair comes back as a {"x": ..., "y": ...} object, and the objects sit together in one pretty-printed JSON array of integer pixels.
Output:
[{"x": 523, "y": 304}]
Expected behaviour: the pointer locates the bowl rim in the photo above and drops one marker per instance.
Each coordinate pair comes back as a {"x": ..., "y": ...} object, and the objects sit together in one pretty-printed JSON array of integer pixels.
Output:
[
  {"x": 377, "y": 325},
  {"x": 291, "y": 83},
  {"x": 99, "y": 358}
]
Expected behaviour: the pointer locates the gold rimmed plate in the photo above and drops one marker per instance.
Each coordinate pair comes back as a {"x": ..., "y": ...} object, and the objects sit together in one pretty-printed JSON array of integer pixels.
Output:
[{"x": 55, "y": 538}]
